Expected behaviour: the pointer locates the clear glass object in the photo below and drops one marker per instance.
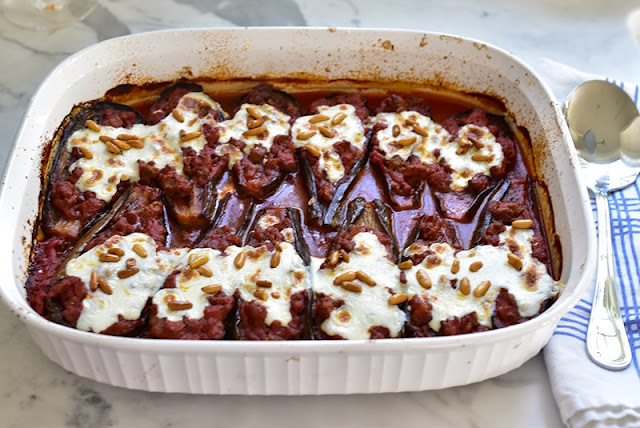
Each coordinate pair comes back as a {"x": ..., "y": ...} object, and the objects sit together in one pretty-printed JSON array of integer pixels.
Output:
[{"x": 46, "y": 14}]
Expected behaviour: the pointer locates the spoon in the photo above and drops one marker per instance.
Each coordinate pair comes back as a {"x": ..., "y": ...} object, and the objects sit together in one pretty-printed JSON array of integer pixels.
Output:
[{"x": 598, "y": 114}]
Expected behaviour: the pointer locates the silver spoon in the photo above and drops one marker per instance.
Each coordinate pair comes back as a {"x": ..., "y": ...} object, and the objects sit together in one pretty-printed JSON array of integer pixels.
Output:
[{"x": 597, "y": 113}]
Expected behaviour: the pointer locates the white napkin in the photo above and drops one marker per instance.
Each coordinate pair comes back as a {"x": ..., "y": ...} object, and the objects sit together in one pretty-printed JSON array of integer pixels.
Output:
[{"x": 588, "y": 395}]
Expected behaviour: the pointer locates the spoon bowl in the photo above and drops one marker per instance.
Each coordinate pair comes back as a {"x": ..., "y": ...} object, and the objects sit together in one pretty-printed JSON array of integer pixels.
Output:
[{"x": 603, "y": 122}]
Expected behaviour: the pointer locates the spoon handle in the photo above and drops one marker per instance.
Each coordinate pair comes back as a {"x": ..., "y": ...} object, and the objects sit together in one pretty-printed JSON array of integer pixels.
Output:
[{"x": 607, "y": 341}]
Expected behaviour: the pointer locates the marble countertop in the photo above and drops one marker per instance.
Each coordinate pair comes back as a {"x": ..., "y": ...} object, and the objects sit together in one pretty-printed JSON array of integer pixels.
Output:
[{"x": 589, "y": 35}]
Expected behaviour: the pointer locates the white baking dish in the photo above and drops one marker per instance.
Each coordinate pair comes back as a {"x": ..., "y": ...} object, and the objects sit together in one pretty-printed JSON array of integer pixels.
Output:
[{"x": 306, "y": 367}]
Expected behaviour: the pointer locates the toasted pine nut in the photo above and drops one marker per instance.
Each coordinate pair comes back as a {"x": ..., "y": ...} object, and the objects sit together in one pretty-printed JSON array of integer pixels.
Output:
[
  {"x": 92, "y": 125},
  {"x": 261, "y": 294},
  {"x": 123, "y": 145},
  {"x": 126, "y": 273},
  {"x": 395, "y": 131},
  {"x": 455, "y": 266},
  {"x": 347, "y": 276},
  {"x": 365, "y": 278},
  {"x": 344, "y": 255},
  {"x": 406, "y": 265},
  {"x": 239, "y": 260},
  {"x": 404, "y": 142},
  {"x": 254, "y": 123},
  {"x": 480, "y": 157},
  {"x": 255, "y": 131},
  {"x": 465, "y": 286},
  {"x": 334, "y": 257},
  {"x": 338, "y": 118},
  {"x": 424, "y": 279},
  {"x": 275, "y": 294},
  {"x": 126, "y": 137},
  {"x": 204, "y": 271},
  {"x": 177, "y": 305},
  {"x": 326, "y": 132},
  {"x": 351, "y": 286},
  {"x": 475, "y": 266},
  {"x": 264, "y": 283},
  {"x": 211, "y": 289},
  {"x": 318, "y": 118},
  {"x": 93, "y": 281},
  {"x": 191, "y": 135},
  {"x": 462, "y": 150},
  {"x": 117, "y": 251},
  {"x": 104, "y": 287},
  {"x": 482, "y": 288},
  {"x": 275, "y": 260},
  {"x": 419, "y": 130},
  {"x": 398, "y": 298},
  {"x": 197, "y": 260},
  {"x": 177, "y": 115},
  {"x": 105, "y": 138},
  {"x": 112, "y": 147},
  {"x": 85, "y": 152},
  {"x": 139, "y": 250},
  {"x": 522, "y": 224},
  {"x": 253, "y": 112},
  {"x": 136, "y": 144},
  {"x": 476, "y": 143},
  {"x": 302, "y": 136},
  {"x": 514, "y": 261},
  {"x": 313, "y": 151},
  {"x": 107, "y": 257}
]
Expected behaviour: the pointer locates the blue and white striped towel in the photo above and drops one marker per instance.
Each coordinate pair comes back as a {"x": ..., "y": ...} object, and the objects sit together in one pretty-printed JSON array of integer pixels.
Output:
[{"x": 588, "y": 395}]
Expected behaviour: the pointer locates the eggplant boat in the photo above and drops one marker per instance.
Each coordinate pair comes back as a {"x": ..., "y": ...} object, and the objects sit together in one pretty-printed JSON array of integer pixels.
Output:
[
  {"x": 458, "y": 160},
  {"x": 272, "y": 296},
  {"x": 103, "y": 283},
  {"x": 257, "y": 141},
  {"x": 491, "y": 285},
  {"x": 357, "y": 288},
  {"x": 333, "y": 148},
  {"x": 70, "y": 201}
]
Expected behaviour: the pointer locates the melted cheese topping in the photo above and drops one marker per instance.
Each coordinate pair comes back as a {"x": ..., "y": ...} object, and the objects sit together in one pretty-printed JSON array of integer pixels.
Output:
[
  {"x": 366, "y": 309},
  {"x": 530, "y": 286},
  {"x": 289, "y": 277},
  {"x": 275, "y": 123},
  {"x": 129, "y": 295},
  {"x": 350, "y": 129},
  {"x": 162, "y": 144},
  {"x": 461, "y": 161}
]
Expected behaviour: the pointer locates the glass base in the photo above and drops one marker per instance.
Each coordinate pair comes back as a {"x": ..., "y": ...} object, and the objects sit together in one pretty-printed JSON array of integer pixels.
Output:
[{"x": 46, "y": 14}]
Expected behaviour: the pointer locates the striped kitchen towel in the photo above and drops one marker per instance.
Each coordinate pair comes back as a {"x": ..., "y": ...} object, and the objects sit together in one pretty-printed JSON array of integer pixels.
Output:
[{"x": 588, "y": 395}]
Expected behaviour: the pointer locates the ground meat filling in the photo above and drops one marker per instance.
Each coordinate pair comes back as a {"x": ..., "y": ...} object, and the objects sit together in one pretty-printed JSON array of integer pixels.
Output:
[
  {"x": 259, "y": 173},
  {"x": 265, "y": 93},
  {"x": 252, "y": 325},
  {"x": 219, "y": 239},
  {"x": 212, "y": 326}
]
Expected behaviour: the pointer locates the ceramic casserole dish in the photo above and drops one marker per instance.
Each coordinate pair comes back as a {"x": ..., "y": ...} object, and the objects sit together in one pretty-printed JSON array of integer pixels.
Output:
[{"x": 301, "y": 367}]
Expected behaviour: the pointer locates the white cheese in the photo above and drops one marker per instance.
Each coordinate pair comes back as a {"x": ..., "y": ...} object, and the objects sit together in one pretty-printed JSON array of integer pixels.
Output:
[
  {"x": 162, "y": 145},
  {"x": 449, "y": 302},
  {"x": 366, "y": 309},
  {"x": 275, "y": 123},
  {"x": 438, "y": 141},
  {"x": 129, "y": 295},
  {"x": 350, "y": 129}
]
